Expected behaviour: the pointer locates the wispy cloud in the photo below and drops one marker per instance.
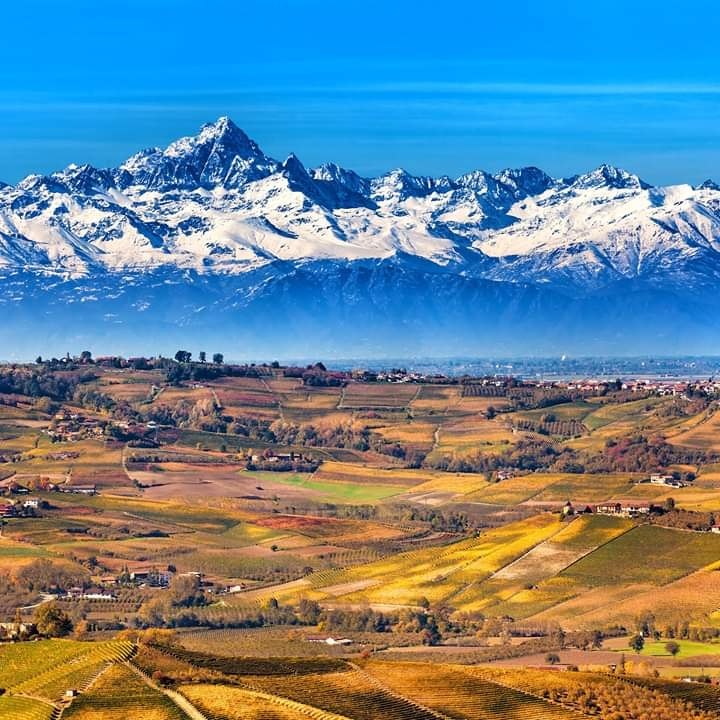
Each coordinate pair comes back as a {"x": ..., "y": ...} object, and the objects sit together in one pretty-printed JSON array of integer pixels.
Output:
[
  {"x": 542, "y": 88},
  {"x": 193, "y": 99}
]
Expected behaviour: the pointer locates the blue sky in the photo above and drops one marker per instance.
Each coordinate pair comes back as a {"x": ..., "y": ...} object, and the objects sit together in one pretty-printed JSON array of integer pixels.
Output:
[{"x": 435, "y": 87}]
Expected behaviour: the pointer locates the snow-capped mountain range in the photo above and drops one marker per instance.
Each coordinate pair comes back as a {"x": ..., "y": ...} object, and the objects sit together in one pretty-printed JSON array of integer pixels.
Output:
[{"x": 212, "y": 230}]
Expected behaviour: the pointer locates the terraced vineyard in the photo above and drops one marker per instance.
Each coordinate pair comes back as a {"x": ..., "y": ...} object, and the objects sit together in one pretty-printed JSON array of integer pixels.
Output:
[
  {"x": 219, "y": 702},
  {"x": 258, "y": 642},
  {"x": 455, "y": 693},
  {"x": 47, "y": 668},
  {"x": 23, "y": 708},
  {"x": 255, "y": 665},
  {"x": 36, "y": 675},
  {"x": 76, "y": 672},
  {"x": 562, "y": 428},
  {"x": 352, "y": 693},
  {"x": 120, "y": 694},
  {"x": 478, "y": 390},
  {"x": 407, "y": 691},
  {"x": 646, "y": 554}
]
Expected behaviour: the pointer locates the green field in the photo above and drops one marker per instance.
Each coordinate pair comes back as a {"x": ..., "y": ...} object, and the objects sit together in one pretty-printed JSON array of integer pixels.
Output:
[
  {"x": 688, "y": 648},
  {"x": 334, "y": 491}
]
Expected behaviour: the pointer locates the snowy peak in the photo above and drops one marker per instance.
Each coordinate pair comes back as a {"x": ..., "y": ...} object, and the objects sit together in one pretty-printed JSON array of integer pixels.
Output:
[
  {"x": 399, "y": 184},
  {"x": 348, "y": 179},
  {"x": 343, "y": 188},
  {"x": 85, "y": 179},
  {"x": 42, "y": 183},
  {"x": 299, "y": 179},
  {"x": 220, "y": 155},
  {"x": 223, "y": 133},
  {"x": 609, "y": 176},
  {"x": 708, "y": 185},
  {"x": 293, "y": 169},
  {"x": 478, "y": 181},
  {"x": 525, "y": 182},
  {"x": 506, "y": 187}
]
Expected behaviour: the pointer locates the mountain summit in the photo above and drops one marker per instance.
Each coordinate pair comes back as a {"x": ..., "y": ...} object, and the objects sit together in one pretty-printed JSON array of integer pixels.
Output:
[
  {"x": 452, "y": 263},
  {"x": 221, "y": 155}
]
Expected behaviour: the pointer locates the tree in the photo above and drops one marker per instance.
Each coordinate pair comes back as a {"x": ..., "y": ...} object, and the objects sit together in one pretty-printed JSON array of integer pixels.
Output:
[
  {"x": 183, "y": 356},
  {"x": 672, "y": 647},
  {"x": 645, "y": 624},
  {"x": 218, "y": 358},
  {"x": 85, "y": 356},
  {"x": 431, "y": 633},
  {"x": 620, "y": 670},
  {"x": 552, "y": 658},
  {"x": 185, "y": 591},
  {"x": 203, "y": 356},
  {"x": 38, "y": 360},
  {"x": 308, "y": 612},
  {"x": 52, "y": 621},
  {"x": 42, "y": 575},
  {"x": 153, "y": 611},
  {"x": 637, "y": 643}
]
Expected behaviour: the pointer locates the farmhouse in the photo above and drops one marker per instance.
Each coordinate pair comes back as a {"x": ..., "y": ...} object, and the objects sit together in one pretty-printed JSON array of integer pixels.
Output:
[
  {"x": 330, "y": 640},
  {"x": 97, "y": 596},
  {"x": 624, "y": 509},
  {"x": 78, "y": 593},
  {"x": 609, "y": 509},
  {"x": 79, "y": 489},
  {"x": 273, "y": 457},
  {"x": 633, "y": 509},
  {"x": 15, "y": 630},
  {"x": 669, "y": 480},
  {"x": 151, "y": 578}
]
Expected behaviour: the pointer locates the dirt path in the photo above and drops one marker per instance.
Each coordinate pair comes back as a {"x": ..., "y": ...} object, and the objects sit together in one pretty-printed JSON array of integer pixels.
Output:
[
  {"x": 123, "y": 463},
  {"x": 37, "y": 698},
  {"x": 60, "y": 709},
  {"x": 216, "y": 399},
  {"x": 275, "y": 398},
  {"x": 183, "y": 703},
  {"x": 409, "y": 407},
  {"x": 436, "y": 438},
  {"x": 46, "y": 597}
]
